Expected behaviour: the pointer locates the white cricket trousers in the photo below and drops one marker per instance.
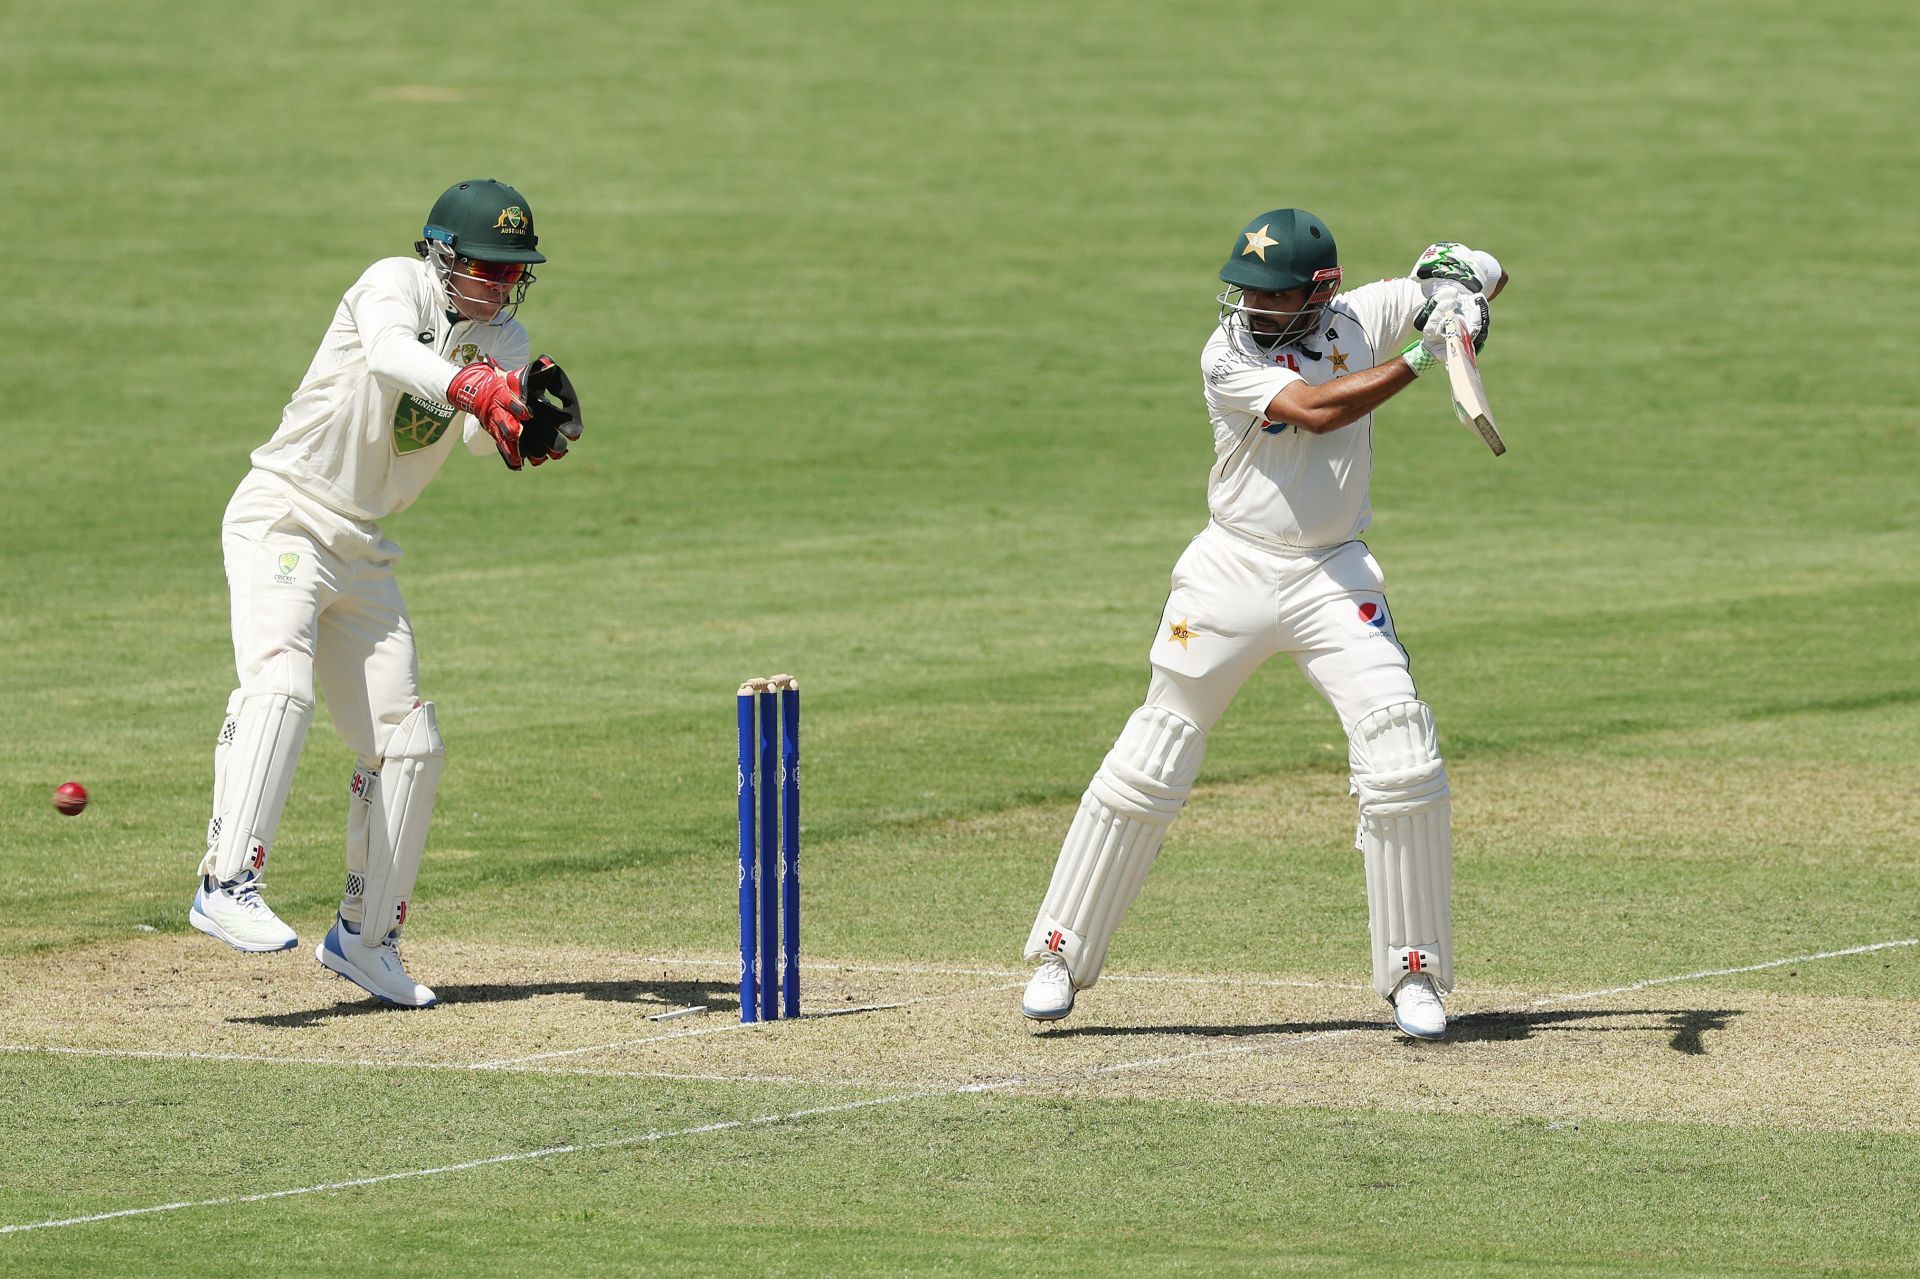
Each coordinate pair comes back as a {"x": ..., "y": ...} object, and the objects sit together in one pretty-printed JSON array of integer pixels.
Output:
[
  {"x": 1234, "y": 604},
  {"x": 308, "y": 580}
]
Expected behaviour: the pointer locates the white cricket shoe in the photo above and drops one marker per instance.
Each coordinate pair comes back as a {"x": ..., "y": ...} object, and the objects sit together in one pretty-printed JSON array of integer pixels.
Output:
[
  {"x": 374, "y": 969},
  {"x": 1049, "y": 995},
  {"x": 1417, "y": 1009},
  {"x": 235, "y": 913}
]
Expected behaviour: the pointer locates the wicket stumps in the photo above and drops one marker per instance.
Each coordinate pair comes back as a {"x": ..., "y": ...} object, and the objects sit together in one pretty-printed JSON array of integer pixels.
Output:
[{"x": 768, "y": 718}]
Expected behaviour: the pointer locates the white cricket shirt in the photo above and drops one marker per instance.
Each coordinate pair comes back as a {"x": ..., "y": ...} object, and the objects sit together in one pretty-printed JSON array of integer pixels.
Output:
[
  {"x": 369, "y": 424},
  {"x": 1274, "y": 483}
]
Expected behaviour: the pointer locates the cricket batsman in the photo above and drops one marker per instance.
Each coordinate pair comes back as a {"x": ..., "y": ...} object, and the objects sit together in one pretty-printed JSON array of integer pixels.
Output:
[
  {"x": 1292, "y": 375},
  {"x": 422, "y": 352}
]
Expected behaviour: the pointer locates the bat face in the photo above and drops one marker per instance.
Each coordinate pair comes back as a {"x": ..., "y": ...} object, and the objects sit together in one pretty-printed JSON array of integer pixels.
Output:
[{"x": 1469, "y": 396}]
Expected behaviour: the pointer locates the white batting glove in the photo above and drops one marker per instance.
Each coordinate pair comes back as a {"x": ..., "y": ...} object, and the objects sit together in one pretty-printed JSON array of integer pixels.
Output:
[
  {"x": 1448, "y": 262},
  {"x": 1452, "y": 305}
]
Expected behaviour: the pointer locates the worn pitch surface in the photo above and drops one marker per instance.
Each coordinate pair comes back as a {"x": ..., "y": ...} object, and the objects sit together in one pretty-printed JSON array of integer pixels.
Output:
[{"x": 1698, "y": 1051}]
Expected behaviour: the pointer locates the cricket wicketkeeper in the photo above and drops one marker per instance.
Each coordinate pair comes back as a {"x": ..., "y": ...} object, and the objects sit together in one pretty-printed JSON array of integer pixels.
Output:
[
  {"x": 1292, "y": 375},
  {"x": 422, "y": 351}
]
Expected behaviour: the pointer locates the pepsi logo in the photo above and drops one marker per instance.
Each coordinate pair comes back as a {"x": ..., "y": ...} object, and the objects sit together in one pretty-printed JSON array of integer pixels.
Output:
[{"x": 1374, "y": 615}]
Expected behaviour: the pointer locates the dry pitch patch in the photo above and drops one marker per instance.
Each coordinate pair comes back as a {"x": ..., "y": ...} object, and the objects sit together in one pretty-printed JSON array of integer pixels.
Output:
[{"x": 1687, "y": 1052}]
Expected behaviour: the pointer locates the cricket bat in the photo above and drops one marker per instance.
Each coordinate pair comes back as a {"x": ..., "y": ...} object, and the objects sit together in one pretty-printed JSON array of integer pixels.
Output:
[{"x": 1469, "y": 397}]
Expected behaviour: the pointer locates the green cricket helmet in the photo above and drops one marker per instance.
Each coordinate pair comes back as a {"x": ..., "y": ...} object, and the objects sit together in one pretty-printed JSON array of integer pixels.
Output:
[
  {"x": 1280, "y": 250},
  {"x": 480, "y": 240}
]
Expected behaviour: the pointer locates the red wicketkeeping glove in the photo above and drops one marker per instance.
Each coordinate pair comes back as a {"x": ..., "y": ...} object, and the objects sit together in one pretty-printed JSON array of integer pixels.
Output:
[{"x": 497, "y": 399}]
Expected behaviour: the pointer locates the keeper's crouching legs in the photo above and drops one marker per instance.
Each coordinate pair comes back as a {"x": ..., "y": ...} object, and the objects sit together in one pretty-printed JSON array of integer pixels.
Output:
[
  {"x": 1111, "y": 845},
  {"x": 1405, "y": 838}
]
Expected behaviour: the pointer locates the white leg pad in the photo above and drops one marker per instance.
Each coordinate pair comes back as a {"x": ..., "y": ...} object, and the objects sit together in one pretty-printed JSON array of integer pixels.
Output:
[
  {"x": 402, "y": 794},
  {"x": 1406, "y": 841},
  {"x": 1115, "y": 836},
  {"x": 257, "y": 766}
]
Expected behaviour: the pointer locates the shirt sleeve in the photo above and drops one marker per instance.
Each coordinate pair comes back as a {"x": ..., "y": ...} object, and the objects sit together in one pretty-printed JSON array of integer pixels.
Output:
[
  {"x": 388, "y": 318},
  {"x": 1237, "y": 383},
  {"x": 1385, "y": 310}
]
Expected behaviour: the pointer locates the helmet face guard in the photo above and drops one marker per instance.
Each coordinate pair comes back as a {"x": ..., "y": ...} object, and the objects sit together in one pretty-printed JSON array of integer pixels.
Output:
[
  {"x": 477, "y": 282},
  {"x": 1278, "y": 328}
]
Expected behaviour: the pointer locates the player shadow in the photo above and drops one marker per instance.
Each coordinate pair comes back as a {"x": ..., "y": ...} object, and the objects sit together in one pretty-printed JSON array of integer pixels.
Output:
[
  {"x": 1689, "y": 1026},
  {"x": 667, "y": 994}
]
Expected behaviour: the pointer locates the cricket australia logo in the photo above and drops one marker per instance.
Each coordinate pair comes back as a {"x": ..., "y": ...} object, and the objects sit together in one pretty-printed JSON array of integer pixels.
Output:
[
  {"x": 466, "y": 353},
  {"x": 419, "y": 424},
  {"x": 287, "y": 562}
]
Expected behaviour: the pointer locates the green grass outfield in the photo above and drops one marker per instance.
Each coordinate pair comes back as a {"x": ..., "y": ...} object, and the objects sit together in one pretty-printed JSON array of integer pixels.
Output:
[{"x": 886, "y": 320}]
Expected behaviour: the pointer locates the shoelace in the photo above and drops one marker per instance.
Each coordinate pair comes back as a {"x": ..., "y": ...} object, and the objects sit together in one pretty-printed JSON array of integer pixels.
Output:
[{"x": 246, "y": 893}]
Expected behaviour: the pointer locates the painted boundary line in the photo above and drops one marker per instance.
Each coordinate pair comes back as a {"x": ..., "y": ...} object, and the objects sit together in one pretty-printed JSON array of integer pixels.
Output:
[{"x": 615, "y": 1143}]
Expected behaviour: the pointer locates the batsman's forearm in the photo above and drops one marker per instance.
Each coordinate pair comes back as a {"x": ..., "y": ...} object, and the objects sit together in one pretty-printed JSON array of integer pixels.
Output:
[{"x": 1341, "y": 402}]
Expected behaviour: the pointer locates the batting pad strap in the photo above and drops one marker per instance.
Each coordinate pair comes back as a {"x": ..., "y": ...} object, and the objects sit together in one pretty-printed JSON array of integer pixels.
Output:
[
  {"x": 1395, "y": 757},
  {"x": 1404, "y": 960},
  {"x": 1151, "y": 768},
  {"x": 1385, "y": 794},
  {"x": 269, "y": 727},
  {"x": 402, "y": 791}
]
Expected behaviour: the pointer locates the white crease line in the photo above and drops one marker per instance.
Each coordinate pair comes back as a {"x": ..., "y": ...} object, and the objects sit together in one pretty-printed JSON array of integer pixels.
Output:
[
  {"x": 613, "y": 1143},
  {"x": 939, "y": 970},
  {"x": 730, "y": 1026},
  {"x": 1728, "y": 972}
]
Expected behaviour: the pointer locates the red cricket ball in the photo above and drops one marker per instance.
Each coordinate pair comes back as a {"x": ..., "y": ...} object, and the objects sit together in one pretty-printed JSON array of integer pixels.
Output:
[{"x": 70, "y": 798}]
